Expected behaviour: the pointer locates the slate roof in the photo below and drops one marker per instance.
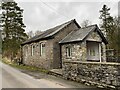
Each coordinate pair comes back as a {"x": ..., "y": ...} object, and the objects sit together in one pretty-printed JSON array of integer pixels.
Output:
[
  {"x": 81, "y": 34},
  {"x": 50, "y": 32}
]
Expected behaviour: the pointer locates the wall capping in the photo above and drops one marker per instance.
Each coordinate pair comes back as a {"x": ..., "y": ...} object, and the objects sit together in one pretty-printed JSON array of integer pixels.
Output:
[{"x": 84, "y": 62}]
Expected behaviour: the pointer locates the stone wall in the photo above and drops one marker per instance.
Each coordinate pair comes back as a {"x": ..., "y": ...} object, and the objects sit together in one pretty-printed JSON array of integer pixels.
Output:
[
  {"x": 93, "y": 73},
  {"x": 94, "y": 36},
  {"x": 44, "y": 61},
  {"x": 78, "y": 51},
  {"x": 57, "y": 49}
]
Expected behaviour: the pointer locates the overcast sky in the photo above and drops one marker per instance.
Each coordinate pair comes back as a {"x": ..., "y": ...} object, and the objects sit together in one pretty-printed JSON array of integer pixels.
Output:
[{"x": 42, "y": 15}]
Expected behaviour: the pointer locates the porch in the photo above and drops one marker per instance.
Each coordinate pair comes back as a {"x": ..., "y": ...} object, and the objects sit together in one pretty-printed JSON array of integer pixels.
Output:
[{"x": 93, "y": 51}]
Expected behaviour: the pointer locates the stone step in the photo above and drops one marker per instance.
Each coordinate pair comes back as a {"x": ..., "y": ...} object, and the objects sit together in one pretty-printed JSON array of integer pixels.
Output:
[{"x": 56, "y": 72}]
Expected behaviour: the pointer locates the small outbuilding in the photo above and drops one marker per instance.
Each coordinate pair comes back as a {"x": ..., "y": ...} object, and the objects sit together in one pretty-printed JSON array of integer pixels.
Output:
[{"x": 84, "y": 44}]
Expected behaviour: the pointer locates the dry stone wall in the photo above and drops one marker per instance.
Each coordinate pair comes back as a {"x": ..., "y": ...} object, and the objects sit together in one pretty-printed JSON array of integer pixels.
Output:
[{"x": 93, "y": 73}]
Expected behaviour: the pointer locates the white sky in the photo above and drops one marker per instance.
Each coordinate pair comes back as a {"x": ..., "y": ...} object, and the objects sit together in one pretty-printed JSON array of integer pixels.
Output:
[{"x": 42, "y": 15}]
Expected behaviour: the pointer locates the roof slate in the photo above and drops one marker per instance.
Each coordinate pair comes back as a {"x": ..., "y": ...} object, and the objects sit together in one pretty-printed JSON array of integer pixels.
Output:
[
  {"x": 75, "y": 35},
  {"x": 80, "y": 34},
  {"x": 50, "y": 32}
]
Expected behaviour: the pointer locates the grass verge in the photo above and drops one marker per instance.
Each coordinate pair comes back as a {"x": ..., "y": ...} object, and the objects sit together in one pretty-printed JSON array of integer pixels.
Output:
[{"x": 24, "y": 67}]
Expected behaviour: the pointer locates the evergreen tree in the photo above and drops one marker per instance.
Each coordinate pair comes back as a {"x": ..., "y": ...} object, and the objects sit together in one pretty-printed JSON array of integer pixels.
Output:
[
  {"x": 107, "y": 24},
  {"x": 111, "y": 29},
  {"x": 115, "y": 37},
  {"x": 105, "y": 15},
  {"x": 13, "y": 27}
]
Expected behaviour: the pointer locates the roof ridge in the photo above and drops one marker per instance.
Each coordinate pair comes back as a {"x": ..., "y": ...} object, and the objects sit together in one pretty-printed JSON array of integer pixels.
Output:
[
  {"x": 79, "y": 32},
  {"x": 53, "y": 27},
  {"x": 50, "y": 32},
  {"x": 68, "y": 35},
  {"x": 80, "y": 35},
  {"x": 68, "y": 22},
  {"x": 89, "y": 26},
  {"x": 59, "y": 24}
]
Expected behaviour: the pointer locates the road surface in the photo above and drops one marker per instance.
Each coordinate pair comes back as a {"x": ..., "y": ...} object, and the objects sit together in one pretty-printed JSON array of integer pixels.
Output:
[
  {"x": 0, "y": 75},
  {"x": 14, "y": 78}
]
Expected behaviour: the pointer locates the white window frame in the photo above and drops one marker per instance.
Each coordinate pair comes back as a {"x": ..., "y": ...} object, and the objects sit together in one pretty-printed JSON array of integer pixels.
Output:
[
  {"x": 41, "y": 49},
  {"x": 32, "y": 50},
  {"x": 68, "y": 52}
]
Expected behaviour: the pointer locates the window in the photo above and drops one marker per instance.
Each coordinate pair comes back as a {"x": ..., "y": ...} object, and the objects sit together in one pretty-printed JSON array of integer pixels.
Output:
[
  {"x": 26, "y": 50},
  {"x": 42, "y": 49},
  {"x": 32, "y": 50},
  {"x": 92, "y": 52},
  {"x": 68, "y": 52}
]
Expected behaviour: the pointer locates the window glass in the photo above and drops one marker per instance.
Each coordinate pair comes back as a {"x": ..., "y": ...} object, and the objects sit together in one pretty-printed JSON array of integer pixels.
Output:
[
  {"x": 68, "y": 52},
  {"x": 32, "y": 50},
  {"x": 92, "y": 52},
  {"x": 42, "y": 49},
  {"x": 26, "y": 51}
]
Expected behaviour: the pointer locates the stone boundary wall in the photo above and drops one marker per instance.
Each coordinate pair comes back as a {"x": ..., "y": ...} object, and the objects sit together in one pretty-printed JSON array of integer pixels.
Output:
[{"x": 101, "y": 74}]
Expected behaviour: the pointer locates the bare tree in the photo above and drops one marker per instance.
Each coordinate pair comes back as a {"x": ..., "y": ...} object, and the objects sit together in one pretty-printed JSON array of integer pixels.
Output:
[
  {"x": 30, "y": 34},
  {"x": 38, "y": 32},
  {"x": 85, "y": 23}
]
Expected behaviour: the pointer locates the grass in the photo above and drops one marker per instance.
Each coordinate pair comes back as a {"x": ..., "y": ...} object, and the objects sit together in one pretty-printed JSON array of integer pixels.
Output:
[{"x": 24, "y": 67}]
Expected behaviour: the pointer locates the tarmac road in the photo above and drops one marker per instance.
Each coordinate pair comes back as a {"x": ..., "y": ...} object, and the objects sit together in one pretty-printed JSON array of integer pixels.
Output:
[{"x": 13, "y": 78}]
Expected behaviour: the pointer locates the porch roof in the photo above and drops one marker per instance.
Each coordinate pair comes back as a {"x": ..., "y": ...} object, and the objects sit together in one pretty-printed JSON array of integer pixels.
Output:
[{"x": 81, "y": 34}]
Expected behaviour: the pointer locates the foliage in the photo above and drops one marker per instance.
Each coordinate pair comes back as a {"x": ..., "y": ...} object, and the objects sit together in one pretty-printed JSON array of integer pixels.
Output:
[
  {"x": 24, "y": 67},
  {"x": 111, "y": 28},
  {"x": 105, "y": 17},
  {"x": 113, "y": 36},
  {"x": 13, "y": 27}
]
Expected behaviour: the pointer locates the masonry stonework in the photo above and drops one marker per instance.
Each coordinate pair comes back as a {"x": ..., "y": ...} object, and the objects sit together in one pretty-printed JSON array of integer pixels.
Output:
[
  {"x": 93, "y": 73},
  {"x": 36, "y": 59},
  {"x": 57, "y": 49},
  {"x": 94, "y": 36},
  {"x": 78, "y": 51},
  {"x": 52, "y": 57},
  {"x": 80, "y": 48}
]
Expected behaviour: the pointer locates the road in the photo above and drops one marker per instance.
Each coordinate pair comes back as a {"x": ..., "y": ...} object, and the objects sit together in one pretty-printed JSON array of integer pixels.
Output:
[
  {"x": 14, "y": 78},
  {"x": 0, "y": 75}
]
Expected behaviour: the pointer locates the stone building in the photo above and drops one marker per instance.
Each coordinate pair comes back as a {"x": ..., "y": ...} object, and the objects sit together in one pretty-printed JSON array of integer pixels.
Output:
[
  {"x": 67, "y": 41},
  {"x": 84, "y": 44},
  {"x": 44, "y": 50}
]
